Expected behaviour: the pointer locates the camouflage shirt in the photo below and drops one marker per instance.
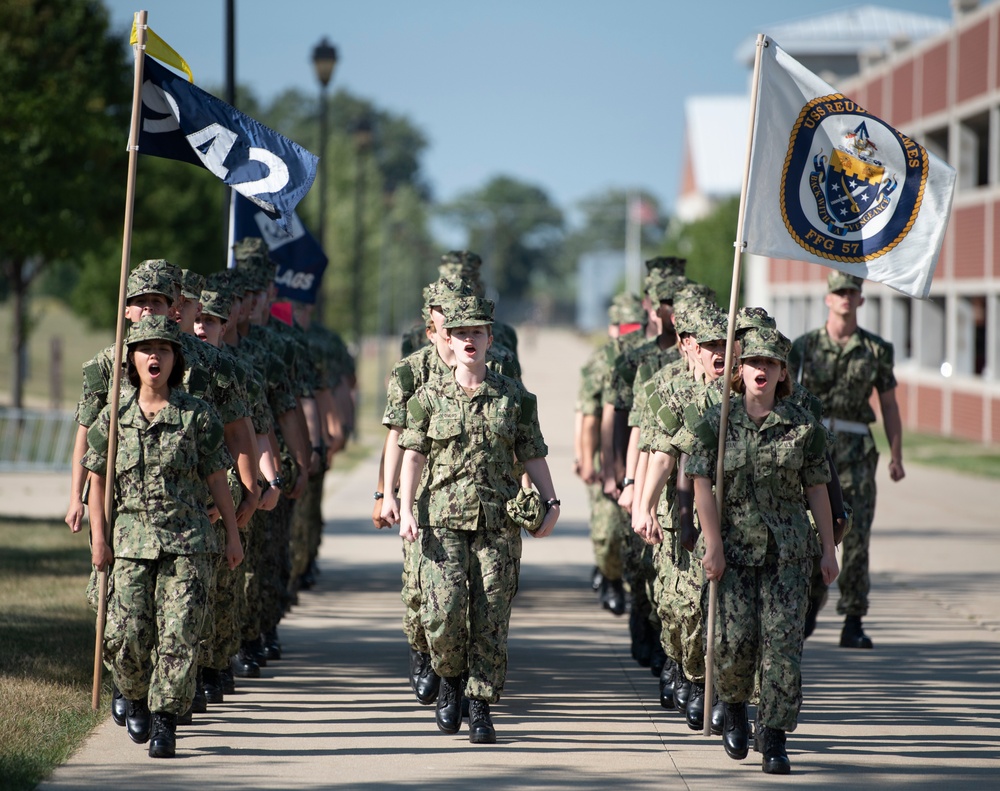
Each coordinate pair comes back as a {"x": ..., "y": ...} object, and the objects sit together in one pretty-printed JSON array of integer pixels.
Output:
[
  {"x": 648, "y": 356},
  {"x": 471, "y": 444},
  {"x": 766, "y": 470},
  {"x": 660, "y": 384},
  {"x": 160, "y": 472}
]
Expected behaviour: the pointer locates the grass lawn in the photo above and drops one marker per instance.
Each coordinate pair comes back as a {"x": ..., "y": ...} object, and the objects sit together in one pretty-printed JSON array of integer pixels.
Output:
[
  {"x": 953, "y": 454},
  {"x": 46, "y": 665}
]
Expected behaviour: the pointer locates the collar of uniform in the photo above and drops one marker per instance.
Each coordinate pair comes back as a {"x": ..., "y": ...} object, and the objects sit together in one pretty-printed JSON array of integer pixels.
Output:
[
  {"x": 131, "y": 415},
  {"x": 775, "y": 417},
  {"x": 489, "y": 385},
  {"x": 854, "y": 340}
]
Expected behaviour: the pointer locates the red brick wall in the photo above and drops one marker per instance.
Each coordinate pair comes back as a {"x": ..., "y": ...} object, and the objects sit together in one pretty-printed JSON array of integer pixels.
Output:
[
  {"x": 967, "y": 416},
  {"x": 973, "y": 66},
  {"x": 969, "y": 227},
  {"x": 876, "y": 93},
  {"x": 935, "y": 71},
  {"x": 929, "y": 409},
  {"x": 902, "y": 96},
  {"x": 995, "y": 417}
]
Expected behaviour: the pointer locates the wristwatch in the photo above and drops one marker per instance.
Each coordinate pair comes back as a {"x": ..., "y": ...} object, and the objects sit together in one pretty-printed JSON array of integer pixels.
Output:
[
  {"x": 277, "y": 483},
  {"x": 379, "y": 495},
  {"x": 627, "y": 482},
  {"x": 550, "y": 503}
]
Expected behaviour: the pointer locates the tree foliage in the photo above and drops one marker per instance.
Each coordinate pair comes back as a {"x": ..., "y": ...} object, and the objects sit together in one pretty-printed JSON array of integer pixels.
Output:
[
  {"x": 707, "y": 244},
  {"x": 515, "y": 227}
]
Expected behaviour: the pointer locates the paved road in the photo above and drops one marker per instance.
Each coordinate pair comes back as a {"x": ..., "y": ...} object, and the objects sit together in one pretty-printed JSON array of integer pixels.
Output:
[{"x": 920, "y": 711}]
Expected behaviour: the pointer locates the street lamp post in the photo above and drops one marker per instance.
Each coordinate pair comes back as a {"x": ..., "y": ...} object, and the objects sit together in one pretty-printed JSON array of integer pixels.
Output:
[
  {"x": 324, "y": 59},
  {"x": 362, "y": 142}
]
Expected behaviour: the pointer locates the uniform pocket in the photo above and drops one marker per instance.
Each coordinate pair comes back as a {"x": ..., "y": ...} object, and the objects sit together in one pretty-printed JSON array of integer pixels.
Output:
[{"x": 735, "y": 457}]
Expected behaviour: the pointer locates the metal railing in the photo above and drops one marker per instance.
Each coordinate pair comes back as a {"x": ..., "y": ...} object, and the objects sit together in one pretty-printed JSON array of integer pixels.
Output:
[{"x": 34, "y": 440}]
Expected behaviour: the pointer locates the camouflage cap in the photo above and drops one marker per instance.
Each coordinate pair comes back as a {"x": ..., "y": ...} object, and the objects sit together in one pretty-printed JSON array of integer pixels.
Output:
[
  {"x": 688, "y": 312},
  {"x": 765, "y": 343},
  {"x": 664, "y": 288},
  {"x": 840, "y": 281},
  {"x": 154, "y": 328},
  {"x": 146, "y": 280},
  {"x": 258, "y": 271},
  {"x": 712, "y": 326},
  {"x": 216, "y": 303},
  {"x": 614, "y": 314},
  {"x": 468, "y": 312},
  {"x": 224, "y": 282},
  {"x": 192, "y": 284},
  {"x": 630, "y": 310},
  {"x": 447, "y": 288},
  {"x": 466, "y": 259},
  {"x": 250, "y": 245},
  {"x": 750, "y": 318},
  {"x": 667, "y": 264}
]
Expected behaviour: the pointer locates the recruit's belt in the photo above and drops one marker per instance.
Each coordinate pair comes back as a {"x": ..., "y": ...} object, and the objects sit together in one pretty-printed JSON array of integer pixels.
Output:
[{"x": 835, "y": 424}]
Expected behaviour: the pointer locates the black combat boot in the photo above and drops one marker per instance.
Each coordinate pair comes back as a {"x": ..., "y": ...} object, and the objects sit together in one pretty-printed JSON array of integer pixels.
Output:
[
  {"x": 615, "y": 598},
  {"x": 187, "y": 717},
  {"x": 244, "y": 664},
  {"x": 682, "y": 689},
  {"x": 718, "y": 717},
  {"x": 227, "y": 681},
  {"x": 449, "y": 705},
  {"x": 211, "y": 685},
  {"x": 118, "y": 705},
  {"x": 667, "y": 676},
  {"x": 137, "y": 720},
  {"x": 199, "y": 704},
  {"x": 163, "y": 740},
  {"x": 659, "y": 659},
  {"x": 853, "y": 636},
  {"x": 426, "y": 682},
  {"x": 774, "y": 759},
  {"x": 255, "y": 648},
  {"x": 481, "y": 730},
  {"x": 736, "y": 731},
  {"x": 272, "y": 645},
  {"x": 695, "y": 710},
  {"x": 596, "y": 578}
]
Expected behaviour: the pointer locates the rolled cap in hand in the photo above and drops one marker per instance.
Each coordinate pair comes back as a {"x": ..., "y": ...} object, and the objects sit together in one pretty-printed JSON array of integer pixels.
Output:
[
  {"x": 769, "y": 343},
  {"x": 838, "y": 281},
  {"x": 154, "y": 328},
  {"x": 468, "y": 312}
]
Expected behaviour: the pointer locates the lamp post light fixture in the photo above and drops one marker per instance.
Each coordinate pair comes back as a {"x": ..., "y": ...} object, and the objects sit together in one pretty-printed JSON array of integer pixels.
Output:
[{"x": 324, "y": 59}]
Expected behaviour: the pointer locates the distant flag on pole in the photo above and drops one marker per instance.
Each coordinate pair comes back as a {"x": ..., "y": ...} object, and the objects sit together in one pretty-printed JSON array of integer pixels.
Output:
[
  {"x": 300, "y": 259},
  {"x": 161, "y": 50},
  {"x": 642, "y": 211},
  {"x": 832, "y": 184},
  {"x": 181, "y": 121}
]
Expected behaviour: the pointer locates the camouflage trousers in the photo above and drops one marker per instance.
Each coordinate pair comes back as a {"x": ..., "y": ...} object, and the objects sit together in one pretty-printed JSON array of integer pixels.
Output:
[
  {"x": 858, "y": 482},
  {"x": 677, "y": 601},
  {"x": 413, "y": 627},
  {"x": 275, "y": 567},
  {"x": 156, "y": 617},
  {"x": 759, "y": 634},
  {"x": 469, "y": 579},
  {"x": 605, "y": 534},
  {"x": 226, "y": 613},
  {"x": 637, "y": 569},
  {"x": 253, "y": 560},
  {"x": 307, "y": 526}
]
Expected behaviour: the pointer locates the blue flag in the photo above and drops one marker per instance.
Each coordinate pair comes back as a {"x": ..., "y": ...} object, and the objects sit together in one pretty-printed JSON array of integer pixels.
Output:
[
  {"x": 181, "y": 121},
  {"x": 300, "y": 258}
]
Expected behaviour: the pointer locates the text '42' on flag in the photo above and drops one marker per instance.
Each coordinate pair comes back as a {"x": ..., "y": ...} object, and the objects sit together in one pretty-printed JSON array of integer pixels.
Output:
[
  {"x": 832, "y": 184},
  {"x": 181, "y": 121}
]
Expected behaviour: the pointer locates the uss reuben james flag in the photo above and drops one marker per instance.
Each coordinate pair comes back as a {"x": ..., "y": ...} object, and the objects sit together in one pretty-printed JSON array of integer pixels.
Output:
[{"x": 832, "y": 184}]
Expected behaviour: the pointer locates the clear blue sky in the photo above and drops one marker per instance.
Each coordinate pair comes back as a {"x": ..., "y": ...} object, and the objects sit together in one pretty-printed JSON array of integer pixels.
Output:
[{"x": 572, "y": 95}]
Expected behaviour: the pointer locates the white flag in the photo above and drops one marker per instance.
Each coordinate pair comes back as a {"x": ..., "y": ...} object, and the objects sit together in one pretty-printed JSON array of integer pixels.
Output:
[{"x": 832, "y": 184}]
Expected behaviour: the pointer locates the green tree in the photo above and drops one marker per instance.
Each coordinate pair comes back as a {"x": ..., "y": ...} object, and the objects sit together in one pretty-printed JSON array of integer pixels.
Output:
[
  {"x": 65, "y": 90},
  {"x": 707, "y": 244},
  {"x": 517, "y": 230}
]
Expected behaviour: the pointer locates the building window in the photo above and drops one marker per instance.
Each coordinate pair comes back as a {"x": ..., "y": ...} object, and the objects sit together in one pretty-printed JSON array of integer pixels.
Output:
[
  {"x": 930, "y": 326},
  {"x": 901, "y": 332},
  {"x": 974, "y": 151},
  {"x": 970, "y": 326},
  {"x": 936, "y": 141}
]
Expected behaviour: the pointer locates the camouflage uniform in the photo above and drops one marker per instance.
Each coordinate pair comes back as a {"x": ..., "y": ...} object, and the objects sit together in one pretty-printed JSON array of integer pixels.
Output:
[
  {"x": 471, "y": 550},
  {"x": 769, "y": 548},
  {"x": 163, "y": 544},
  {"x": 843, "y": 378}
]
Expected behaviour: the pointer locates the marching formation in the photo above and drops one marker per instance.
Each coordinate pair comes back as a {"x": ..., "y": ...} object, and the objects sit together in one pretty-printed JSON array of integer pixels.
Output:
[
  {"x": 232, "y": 408},
  {"x": 228, "y": 419},
  {"x": 798, "y": 478}
]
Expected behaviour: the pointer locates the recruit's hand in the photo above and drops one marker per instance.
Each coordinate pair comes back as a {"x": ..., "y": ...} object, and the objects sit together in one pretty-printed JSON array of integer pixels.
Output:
[
  {"x": 74, "y": 516},
  {"x": 625, "y": 498},
  {"x": 101, "y": 555},
  {"x": 587, "y": 472},
  {"x": 611, "y": 489},
  {"x": 214, "y": 514},
  {"x": 377, "y": 519},
  {"x": 234, "y": 552},
  {"x": 390, "y": 509},
  {"x": 828, "y": 566},
  {"x": 714, "y": 561},
  {"x": 269, "y": 498},
  {"x": 896, "y": 471},
  {"x": 648, "y": 528},
  {"x": 244, "y": 512},
  {"x": 548, "y": 523},
  {"x": 408, "y": 529},
  {"x": 300, "y": 486}
]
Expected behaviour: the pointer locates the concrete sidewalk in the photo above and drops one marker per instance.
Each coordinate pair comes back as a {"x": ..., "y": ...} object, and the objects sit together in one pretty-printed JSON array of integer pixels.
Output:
[{"x": 920, "y": 711}]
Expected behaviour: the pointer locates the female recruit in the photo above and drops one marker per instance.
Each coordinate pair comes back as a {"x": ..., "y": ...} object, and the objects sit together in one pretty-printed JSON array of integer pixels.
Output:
[
  {"x": 761, "y": 550},
  {"x": 468, "y": 427},
  {"x": 170, "y": 457}
]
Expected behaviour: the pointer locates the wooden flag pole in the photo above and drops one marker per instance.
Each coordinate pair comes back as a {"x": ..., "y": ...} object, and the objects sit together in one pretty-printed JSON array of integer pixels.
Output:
[
  {"x": 734, "y": 301},
  {"x": 109, "y": 488}
]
